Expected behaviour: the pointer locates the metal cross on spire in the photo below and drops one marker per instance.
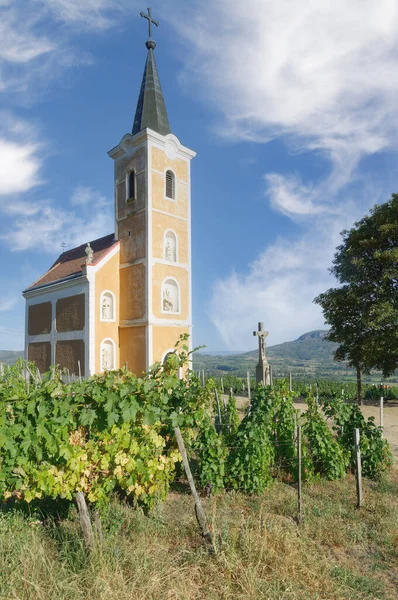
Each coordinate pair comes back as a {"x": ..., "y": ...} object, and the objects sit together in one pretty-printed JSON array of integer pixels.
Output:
[{"x": 150, "y": 43}]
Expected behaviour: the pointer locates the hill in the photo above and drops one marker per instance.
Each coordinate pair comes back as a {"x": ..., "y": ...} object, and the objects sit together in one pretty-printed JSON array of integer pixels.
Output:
[
  {"x": 310, "y": 355},
  {"x": 10, "y": 357}
]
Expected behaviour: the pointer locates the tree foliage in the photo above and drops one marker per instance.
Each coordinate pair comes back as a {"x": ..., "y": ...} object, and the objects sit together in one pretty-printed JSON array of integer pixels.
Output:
[{"x": 363, "y": 312}]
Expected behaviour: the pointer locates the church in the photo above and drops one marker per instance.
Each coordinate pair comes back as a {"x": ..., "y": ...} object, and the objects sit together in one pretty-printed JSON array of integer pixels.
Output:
[{"x": 124, "y": 299}]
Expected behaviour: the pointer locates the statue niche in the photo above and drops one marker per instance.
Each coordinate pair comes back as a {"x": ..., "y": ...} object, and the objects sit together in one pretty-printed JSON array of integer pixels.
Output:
[
  {"x": 170, "y": 296},
  {"x": 107, "y": 307},
  {"x": 107, "y": 356},
  {"x": 170, "y": 247}
]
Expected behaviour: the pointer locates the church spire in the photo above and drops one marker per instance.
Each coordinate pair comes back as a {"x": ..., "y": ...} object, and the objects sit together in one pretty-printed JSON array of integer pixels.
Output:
[{"x": 151, "y": 109}]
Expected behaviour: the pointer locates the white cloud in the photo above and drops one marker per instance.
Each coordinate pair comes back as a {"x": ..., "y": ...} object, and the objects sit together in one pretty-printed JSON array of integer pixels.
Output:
[
  {"x": 18, "y": 41},
  {"x": 19, "y": 166},
  {"x": 86, "y": 195},
  {"x": 7, "y": 302},
  {"x": 92, "y": 14},
  {"x": 49, "y": 227},
  {"x": 323, "y": 77}
]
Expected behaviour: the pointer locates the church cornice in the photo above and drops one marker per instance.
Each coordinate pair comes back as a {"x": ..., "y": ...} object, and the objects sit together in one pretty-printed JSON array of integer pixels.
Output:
[{"x": 169, "y": 143}]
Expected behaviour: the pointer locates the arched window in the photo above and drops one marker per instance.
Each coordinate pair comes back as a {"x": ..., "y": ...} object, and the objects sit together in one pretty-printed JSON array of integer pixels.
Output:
[
  {"x": 170, "y": 363},
  {"x": 131, "y": 185},
  {"x": 170, "y": 185},
  {"x": 170, "y": 296},
  {"x": 170, "y": 246},
  {"x": 108, "y": 355},
  {"x": 107, "y": 306}
]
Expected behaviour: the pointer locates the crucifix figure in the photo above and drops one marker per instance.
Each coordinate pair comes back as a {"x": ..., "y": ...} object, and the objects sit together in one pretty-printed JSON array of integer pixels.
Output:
[
  {"x": 150, "y": 43},
  {"x": 262, "y": 368}
]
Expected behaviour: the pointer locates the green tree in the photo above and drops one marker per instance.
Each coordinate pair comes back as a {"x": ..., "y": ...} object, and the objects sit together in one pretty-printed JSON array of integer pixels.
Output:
[{"x": 363, "y": 313}]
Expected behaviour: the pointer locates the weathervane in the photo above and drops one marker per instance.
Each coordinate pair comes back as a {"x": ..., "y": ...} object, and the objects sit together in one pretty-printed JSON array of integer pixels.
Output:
[{"x": 150, "y": 44}]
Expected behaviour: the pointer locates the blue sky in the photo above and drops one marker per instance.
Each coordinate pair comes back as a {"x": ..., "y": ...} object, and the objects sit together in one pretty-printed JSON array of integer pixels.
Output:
[{"x": 291, "y": 108}]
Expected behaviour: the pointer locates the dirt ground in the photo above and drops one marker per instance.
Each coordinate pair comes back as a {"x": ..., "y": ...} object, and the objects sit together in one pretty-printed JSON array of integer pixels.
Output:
[{"x": 390, "y": 418}]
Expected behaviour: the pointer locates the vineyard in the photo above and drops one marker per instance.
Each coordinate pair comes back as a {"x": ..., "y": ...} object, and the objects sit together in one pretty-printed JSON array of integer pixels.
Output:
[
  {"x": 111, "y": 439},
  {"x": 115, "y": 433}
]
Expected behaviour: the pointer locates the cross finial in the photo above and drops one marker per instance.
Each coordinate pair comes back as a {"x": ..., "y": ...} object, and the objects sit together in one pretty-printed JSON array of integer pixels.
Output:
[{"x": 150, "y": 44}]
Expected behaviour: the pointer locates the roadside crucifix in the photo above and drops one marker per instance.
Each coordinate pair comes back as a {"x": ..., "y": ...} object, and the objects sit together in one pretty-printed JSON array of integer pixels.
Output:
[{"x": 262, "y": 368}]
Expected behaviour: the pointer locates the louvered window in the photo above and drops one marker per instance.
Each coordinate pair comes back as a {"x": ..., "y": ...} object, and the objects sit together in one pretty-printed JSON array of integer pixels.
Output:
[
  {"x": 170, "y": 185},
  {"x": 131, "y": 184}
]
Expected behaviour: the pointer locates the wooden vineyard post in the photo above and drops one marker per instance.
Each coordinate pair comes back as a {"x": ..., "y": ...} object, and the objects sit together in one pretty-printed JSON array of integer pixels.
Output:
[
  {"x": 219, "y": 409},
  {"x": 203, "y": 377},
  {"x": 290, "y": 382},
  {"x": 222, "y": 385},
  {"x": 200, "y": 513},
  {"x": 248, "y": 386},
  {"x": 80, "y": 371},
  {"x": 295, "y": 428},
  {"x": 358, "y": 467},
  {"x": 382, "y": 415},
  {"x": 299, "y": 494},
  {"x": 85, "y": 522}
]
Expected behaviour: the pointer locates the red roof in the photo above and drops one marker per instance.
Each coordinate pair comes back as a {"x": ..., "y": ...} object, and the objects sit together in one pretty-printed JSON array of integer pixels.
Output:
[{"x": 69, "y": 264}]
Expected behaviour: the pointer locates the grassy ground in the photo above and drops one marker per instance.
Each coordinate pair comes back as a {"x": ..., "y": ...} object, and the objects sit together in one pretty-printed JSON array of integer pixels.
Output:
[{"x": 338, "y": 553}]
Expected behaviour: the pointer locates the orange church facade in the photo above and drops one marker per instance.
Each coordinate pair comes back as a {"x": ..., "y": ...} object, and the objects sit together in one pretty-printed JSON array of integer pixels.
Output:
[{"x": 124, "y": 299}]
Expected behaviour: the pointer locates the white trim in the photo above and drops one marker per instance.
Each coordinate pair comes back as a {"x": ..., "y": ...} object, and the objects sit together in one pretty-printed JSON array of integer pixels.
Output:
[
  {"x": 91, "y": 352},
  {"x": 113, "y": 320},
  {"x": 148, "y": 135},
  {"x": 170, "y": 312},
  {"x": 170, "y": 262},
  {"x": 189, "y": 233},
  {"x": 50, "y": 288},
  {"x": 106, "y": 258},
  {"x": 169, "y": 214},
  {"x": 174, "y": 198},
  {"x": 149, "y": 274},
  {"x": 169, "y": 351},
  {"x": 155, "y": 321},
  {"x": 108, "y": 339}
]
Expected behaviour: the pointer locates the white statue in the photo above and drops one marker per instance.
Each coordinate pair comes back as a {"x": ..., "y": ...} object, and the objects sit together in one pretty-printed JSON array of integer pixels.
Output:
[
  {"x": 167, "y": 301},
  {"x": 106, "y": 308},
  {"x": 89, "y": 254},
  {"x": 106, "y": 357},
  {"x": 169, "y": 251}
]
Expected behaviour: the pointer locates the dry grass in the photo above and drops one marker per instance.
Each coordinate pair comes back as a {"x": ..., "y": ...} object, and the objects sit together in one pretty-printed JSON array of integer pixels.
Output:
[{"x": 338, "y": 553}]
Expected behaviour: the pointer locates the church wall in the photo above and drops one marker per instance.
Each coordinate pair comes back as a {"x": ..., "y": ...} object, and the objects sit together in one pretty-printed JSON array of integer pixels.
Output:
[
  {"x": 160, "y": 224},
  {"x": 164, "y": 339},
  {"x": 40, "y": 354},
  {"x": 160, "y": 162},
  {"x": 138, "y": 163},
  {"x": 179, "y": 206},
  {"x": 39, "y": 318},
  {"x": 160, "y": 272},
  {"x": 133, "y": 348},
  {"x": 70, "y": 313},
  {"x": 107, "y": 278},
  {"x": 132, "y": 292},
  {"x": 133, "y": 246},
  {"x": 68, "y": 353}
]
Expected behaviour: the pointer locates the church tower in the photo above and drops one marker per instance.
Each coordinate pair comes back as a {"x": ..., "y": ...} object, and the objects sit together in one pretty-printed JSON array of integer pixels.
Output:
[{"x": 153, "y": 227}]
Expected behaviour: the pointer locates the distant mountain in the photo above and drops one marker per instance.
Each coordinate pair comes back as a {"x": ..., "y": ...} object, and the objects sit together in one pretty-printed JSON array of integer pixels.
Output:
[
  {"x": 10, "y": 357},
  {"x": 310, "y": 355}
]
